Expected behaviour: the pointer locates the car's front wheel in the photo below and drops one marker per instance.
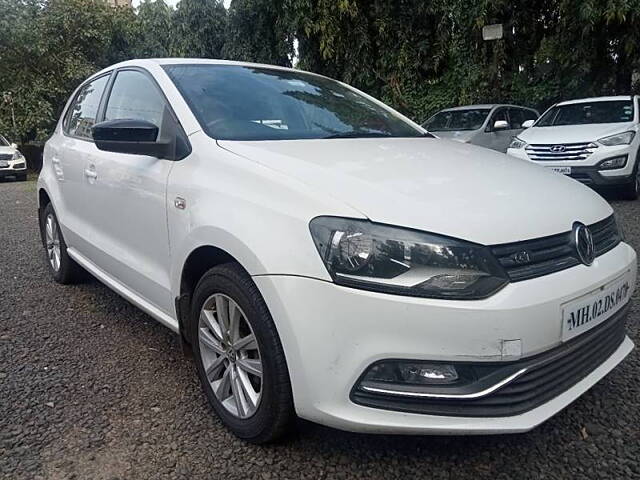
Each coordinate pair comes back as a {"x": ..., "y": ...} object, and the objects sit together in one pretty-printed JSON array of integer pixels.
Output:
[
  {"x": 239, "y": 357},
  {"x": 632, "y": 191},
  {"x": 62, "y": 267}
]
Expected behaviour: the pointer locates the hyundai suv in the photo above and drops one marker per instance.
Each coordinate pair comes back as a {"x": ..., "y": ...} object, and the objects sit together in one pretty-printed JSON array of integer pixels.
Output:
[
  {"x": 593, "y": 140},
  {"x": 325, "y": 257}
]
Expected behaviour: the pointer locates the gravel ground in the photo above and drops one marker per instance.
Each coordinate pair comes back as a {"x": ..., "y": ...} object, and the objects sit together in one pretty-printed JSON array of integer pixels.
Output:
[{"x": 92, "y": 388}]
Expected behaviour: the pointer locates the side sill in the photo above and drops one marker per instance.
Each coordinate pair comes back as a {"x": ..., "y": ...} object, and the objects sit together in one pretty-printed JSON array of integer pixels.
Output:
[{"x": 123, "y": 291}]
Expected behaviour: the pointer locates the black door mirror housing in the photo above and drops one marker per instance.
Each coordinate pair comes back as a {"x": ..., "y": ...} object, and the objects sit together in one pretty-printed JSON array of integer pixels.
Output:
[{"x": 138, "y": 137}]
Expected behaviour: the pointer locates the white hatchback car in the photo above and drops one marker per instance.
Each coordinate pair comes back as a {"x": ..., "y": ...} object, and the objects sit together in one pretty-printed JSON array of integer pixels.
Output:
[
  {"x": 593, "y": 140},
  {"x": 325, "y": 257}
]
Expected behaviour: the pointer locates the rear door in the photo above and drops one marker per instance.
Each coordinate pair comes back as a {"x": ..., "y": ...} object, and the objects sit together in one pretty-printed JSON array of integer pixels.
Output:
[
  {"x": 69, "y": 154},
  {"x": 127, "y": 197}
]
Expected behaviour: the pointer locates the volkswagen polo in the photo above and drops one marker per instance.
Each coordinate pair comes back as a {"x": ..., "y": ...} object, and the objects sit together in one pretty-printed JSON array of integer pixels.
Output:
[{"x": 324, "y": 257}]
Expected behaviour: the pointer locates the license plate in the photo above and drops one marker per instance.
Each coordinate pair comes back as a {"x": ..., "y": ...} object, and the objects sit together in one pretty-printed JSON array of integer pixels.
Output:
[
  {"x": 592, "y": 309},
  {"x": 4, "y": 164},
  {"x": 562, "y": 170}
]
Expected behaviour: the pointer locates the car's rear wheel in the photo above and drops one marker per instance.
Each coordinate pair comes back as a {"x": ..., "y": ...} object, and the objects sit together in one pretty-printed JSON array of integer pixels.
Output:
[
  {"x": 239, "y": 357},
  {"x": 62, "y": 267}
]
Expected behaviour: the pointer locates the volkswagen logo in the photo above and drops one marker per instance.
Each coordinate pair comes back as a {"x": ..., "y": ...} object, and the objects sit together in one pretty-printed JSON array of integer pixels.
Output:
[
  {"x": 583, "y": 241},
  {"x": 558, "y": 148}
]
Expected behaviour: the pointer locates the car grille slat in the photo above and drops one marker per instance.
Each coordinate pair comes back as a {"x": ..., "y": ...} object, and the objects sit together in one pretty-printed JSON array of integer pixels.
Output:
[
  {"x": 534, "y": 258},
  {"x": 570, "y": 151},
  {"x": 6, "y": 156},
  {"x": 548, "y": 375}
]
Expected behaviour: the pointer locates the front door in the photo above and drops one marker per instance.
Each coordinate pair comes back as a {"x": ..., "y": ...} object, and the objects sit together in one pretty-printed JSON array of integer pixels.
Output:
[{"x": 128, "y": 198}]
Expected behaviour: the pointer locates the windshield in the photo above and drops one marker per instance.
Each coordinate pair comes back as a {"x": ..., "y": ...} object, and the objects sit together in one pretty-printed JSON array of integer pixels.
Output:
[
  {"x": 3, "y": 142},
  {"x": 234, "y": 102},
  {"x": 448, "y": 120},
  {"x": 615, "y": 111}
]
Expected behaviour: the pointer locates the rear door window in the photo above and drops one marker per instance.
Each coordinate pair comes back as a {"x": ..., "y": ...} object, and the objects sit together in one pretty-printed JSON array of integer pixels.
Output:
[{"x": 82, "y": 113}]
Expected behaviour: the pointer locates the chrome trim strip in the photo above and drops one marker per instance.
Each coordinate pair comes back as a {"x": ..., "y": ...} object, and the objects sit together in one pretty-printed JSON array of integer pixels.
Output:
[{"x": 462, "y": 396}]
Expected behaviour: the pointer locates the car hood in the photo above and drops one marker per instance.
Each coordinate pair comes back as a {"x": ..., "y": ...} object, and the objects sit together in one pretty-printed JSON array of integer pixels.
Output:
[
  {"x": 573, "y": 133},
  {"x": 434, "y": 185},
  {"x": 457, "y": 135},
  {"x": 5, "y": 150}
]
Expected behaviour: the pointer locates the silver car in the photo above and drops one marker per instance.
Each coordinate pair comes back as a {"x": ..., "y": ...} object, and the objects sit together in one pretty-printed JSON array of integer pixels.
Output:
[{"x": 490, "y": 126}]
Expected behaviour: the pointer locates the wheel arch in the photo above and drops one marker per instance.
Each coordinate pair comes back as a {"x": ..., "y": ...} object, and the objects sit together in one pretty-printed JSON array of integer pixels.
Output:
[{"x": 196, "y": 263}]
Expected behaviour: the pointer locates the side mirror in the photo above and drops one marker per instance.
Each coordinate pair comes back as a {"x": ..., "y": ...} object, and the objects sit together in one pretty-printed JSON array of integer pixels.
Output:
[
  {"x": 528, "y": 123},
  {"x": 137, "y": 137},
  {"x": 500, "y": 125},
  {"x": 14, "y": 146}
]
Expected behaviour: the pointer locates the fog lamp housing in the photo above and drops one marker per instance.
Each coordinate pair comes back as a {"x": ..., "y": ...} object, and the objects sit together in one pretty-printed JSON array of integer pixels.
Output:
[
  {"x": 613, "y": 163},
  {"x": 412, "y": 373}
]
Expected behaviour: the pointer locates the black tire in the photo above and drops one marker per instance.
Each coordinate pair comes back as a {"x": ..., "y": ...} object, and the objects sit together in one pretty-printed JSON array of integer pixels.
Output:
[
  {"x": 275, "y": 415},
  {"x": 69, "y": 271},
  {"x": 632, "y": 190}
]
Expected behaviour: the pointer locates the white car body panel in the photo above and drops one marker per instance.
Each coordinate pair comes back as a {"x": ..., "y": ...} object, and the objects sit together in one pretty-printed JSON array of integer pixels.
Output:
[
  {"x": 370, "y": 175},
  {"x": 254, "y": 201}
]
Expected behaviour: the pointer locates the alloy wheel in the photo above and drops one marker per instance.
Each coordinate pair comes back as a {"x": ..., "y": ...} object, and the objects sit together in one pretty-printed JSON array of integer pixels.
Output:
[
  {"x": 230, "y": 355},
  {"x": 52, "y": 241}
]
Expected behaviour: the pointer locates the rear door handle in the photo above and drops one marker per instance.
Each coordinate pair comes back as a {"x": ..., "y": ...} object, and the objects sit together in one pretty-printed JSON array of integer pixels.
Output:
[{"x": 90, "y": 172}]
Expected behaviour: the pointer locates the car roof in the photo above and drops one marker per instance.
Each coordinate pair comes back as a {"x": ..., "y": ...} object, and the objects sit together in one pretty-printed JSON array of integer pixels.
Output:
[
  {"x": 192, "y": 61},
  {"x": 483, "y": 105},
  {"x": 596, "y": 99}
]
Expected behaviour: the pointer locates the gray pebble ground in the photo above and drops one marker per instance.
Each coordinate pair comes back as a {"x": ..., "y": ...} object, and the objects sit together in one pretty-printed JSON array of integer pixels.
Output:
[{"x": 92, "y": 388}]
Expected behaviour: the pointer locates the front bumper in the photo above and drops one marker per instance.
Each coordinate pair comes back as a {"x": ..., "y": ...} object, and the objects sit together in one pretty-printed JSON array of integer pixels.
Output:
[
  {"x": 593, "y": 177},
  {"x": 331, "y": 334},
  {"x": 16, "y": 167},
  {"x": 587, "y": 171}
]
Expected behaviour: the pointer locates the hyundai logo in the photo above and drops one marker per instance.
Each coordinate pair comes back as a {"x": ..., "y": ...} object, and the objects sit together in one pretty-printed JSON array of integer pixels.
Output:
[
  {"x": 558, "y": 148},
  {"x": 583, "y": 241}
]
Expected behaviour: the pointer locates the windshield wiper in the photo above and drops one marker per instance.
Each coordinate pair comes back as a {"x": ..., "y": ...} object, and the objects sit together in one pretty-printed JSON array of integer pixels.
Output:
[{"x": 356, "y": 134}]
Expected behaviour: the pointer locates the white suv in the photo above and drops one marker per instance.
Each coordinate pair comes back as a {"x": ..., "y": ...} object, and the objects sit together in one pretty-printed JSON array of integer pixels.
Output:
[
  {"x": 325, "y": 257},
  {"x": 594, "y": 140},
  {"x": 12, "y": 162}
]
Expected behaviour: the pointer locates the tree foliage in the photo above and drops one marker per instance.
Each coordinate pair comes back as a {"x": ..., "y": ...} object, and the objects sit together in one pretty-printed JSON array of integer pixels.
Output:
[
  {"x": 200, "y": 28},
  {"x": 258, "y": 32},
  {"x": 418, "y": 56}
]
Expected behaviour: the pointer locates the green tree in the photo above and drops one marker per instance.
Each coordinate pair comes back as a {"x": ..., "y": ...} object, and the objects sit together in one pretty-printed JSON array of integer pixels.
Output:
[
  {"x": 47, "y": 49},
  {"x": 199, "y": 28},
  {"x": 258, "y": 31},
  {"x": 154, "y": 30}
]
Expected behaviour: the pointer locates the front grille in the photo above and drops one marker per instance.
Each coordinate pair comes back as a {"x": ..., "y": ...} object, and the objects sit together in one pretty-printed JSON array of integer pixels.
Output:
[
  {"x": 6, "y": 156},
  {"x": 548, "y": 375},
  {"x": 560, "y": 152},
  {"x": 543, "y": 256}
]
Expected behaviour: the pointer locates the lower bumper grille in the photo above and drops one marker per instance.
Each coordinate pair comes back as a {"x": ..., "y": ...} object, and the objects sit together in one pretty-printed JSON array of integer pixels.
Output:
[{"x": 548, "y": 375}]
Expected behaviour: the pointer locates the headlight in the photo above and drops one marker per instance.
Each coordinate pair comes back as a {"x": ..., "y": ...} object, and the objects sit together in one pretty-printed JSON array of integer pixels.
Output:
[
  {"x": 613, "y": 163},
  {"x": 619, "y": 139},
  {"x": 517, "y": 143},
  {"x": 362, "y": 254},
  {"x": 17, "y": 156}
]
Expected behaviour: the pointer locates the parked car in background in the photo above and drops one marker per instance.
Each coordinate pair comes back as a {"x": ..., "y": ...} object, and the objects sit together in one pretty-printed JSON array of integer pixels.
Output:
[
  {"x": 324, "y": 256},
  {"x": 12, "y": 162},
  {"x": 594, "y": 140},
  {"x": 490, "y": 126}
]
